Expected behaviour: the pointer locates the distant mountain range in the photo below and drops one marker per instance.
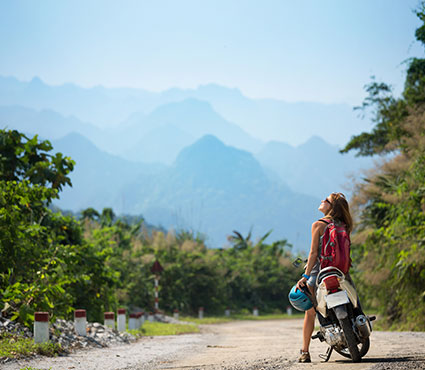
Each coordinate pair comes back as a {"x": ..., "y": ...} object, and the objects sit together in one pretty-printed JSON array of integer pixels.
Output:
[
  {"x": 173, "y": 126},
  {"x": 98, "y": 177},
  {"x": 190, "y": 158},
  {"x": 46, "y": 123},
  {"x": 101, "y": 106},
  {"x": 156, "y": 137},
  {"x": 314, "y": 167},
  {"x": 263, "y": 119},
  {"x": 211, "y": 188}
]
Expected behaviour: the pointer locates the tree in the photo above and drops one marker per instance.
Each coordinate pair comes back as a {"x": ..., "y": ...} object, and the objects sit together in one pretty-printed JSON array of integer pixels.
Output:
[
  {"x": 22, "y": 159},
  {"x": 39, "y": 249},
  {"x": 90, "y": 214},
  {"x": 389, "y": 243},
  {"x": 388, "y": 114}
]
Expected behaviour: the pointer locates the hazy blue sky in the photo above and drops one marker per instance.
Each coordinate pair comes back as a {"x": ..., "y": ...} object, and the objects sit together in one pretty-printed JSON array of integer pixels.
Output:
[{"x": 311, "y": 50}]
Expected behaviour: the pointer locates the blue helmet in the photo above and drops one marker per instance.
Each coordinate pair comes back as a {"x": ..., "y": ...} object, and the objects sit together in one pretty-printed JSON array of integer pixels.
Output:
[{"x": 299, "y": 299}]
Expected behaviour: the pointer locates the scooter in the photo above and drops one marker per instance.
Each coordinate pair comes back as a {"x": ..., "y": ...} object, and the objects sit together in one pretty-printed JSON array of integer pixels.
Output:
[{"x": 343, "y": 325}]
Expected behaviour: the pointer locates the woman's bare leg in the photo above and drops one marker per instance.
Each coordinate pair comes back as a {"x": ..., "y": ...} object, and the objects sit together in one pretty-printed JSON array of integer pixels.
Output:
[{"x": 308, "y": 328}]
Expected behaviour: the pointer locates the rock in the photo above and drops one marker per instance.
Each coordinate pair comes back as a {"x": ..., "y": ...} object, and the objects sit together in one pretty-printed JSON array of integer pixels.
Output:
[{"x": 63, "y": 332}]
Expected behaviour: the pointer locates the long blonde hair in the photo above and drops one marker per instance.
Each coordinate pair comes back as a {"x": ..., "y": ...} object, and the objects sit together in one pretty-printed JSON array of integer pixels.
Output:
[{"x": 340, "y": 211}]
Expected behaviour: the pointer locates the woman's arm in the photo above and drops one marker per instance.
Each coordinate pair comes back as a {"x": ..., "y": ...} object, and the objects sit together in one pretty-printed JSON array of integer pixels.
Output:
[{"x": 316, "y": 228}]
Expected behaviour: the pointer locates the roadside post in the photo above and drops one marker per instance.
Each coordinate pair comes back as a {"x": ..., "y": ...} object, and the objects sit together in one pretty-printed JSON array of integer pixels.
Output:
[
  {"x": 176, "y": 314},
  {"x": 80, "y": 322},
  {"x": 41, "y": 327},
  {"x": 141, "y": 318},
  {"x": 156, "y": 270},
  {"x": 133, "y": 321},
  {"x": 255, "y": 311},
  {"x": 227, "y": 312},
  {"x": 109, "y": 319},
  {"x": 289, "y": 311},
  {"x": 121, "y": 319},
  {"x": 201, "y": 312}
]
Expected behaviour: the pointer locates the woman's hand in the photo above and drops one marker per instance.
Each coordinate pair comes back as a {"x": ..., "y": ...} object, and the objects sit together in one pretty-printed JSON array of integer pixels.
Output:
[{"x": 301, "y": 283}]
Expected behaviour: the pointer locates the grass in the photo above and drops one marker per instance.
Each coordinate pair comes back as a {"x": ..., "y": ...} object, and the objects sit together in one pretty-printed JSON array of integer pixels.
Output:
[
  {"x": 206, "y": 320},
  {"x": 150, "y": 329},
  {"x": 158, "y": 328},
  {"x": 279, "y": 316},
  {"x": 224, "y": 319},
  {"x": 15, "y": 346}
]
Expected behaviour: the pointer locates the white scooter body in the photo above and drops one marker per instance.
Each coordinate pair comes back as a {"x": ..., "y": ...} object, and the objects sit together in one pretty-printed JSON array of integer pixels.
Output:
[
  {"x": 322, "y": 292},
  {"x": 340, "y": 326}
]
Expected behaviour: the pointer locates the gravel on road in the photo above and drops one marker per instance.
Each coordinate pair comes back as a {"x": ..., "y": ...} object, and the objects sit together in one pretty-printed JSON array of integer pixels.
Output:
[{"x": 251, "y": 345}]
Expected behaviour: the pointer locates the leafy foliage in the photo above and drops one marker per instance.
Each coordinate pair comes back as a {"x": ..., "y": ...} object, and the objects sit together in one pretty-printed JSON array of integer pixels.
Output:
[
  {"x": 22, "y": 158},
  {"x": 42, "y": 254},
  {"x": 388, "y": 113},
  {"x": 389, "y": 245},
  {"x": 53, "y": 262}
]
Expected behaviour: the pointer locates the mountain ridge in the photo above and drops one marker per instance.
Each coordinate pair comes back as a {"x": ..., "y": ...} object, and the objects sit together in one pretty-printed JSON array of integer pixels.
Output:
[
  {"x": 265, "y": 119},
  {"x": 211, "y": 187}
]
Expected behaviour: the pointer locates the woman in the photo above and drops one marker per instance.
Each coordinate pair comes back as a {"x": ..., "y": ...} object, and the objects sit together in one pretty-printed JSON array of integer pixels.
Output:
[{"x": 334, "y": 207}]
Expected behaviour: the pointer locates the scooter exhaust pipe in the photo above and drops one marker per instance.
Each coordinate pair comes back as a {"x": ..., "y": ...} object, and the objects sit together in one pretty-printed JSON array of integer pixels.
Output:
[{"x": 363, "y": 326}]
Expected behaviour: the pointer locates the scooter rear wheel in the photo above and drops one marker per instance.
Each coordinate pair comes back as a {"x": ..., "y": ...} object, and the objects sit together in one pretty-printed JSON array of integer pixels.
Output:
[
  {"x": 351, "y": 340},
  {"x": 363, "y": 349}
]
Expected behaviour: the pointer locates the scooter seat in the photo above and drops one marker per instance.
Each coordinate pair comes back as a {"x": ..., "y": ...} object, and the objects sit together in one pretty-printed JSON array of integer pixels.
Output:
[{"x": 329, "y": 271}]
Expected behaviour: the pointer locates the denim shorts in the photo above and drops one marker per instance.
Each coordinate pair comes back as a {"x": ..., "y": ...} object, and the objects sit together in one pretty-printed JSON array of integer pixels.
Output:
[
  {"x": 312, "y": 281},
  {"x": 313, "y": 275}
]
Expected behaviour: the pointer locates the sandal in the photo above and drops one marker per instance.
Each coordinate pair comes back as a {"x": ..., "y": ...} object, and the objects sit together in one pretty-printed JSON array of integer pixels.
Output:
[{"x": 305, "y": 356}]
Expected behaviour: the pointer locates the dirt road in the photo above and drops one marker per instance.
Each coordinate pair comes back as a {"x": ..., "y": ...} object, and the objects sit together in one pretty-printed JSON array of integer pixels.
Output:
[{"x": 238, "y": 345}]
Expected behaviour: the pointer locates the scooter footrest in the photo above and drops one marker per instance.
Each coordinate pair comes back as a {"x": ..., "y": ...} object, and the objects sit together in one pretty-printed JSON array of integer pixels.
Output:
[
  {"x": 319, "y": 335},
  {"x": 371, "y": 318}
]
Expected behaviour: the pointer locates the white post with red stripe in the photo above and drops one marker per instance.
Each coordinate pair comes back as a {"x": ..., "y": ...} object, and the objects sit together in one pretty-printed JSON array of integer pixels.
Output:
[
  {"x": 133, "y": 321},
  {"x": 255, "y": 311},
  {"x": 151, "y": 317},
  {"x": 80, "y": 322},
  {"x": 109, "y": 319},
  {"x": 41, "y": 327},
  {"x": 121, "y": 320},
  {"x": 289, "y": 310},
  {"x": 156, "y": 270},
  {"x": 156, "y": 293},
  {"x": 227, "y": 312},
  {"x": 201, "y": 312},
  {"x": 141, "y": 318},
  {"x": 176, "y": 314}
]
